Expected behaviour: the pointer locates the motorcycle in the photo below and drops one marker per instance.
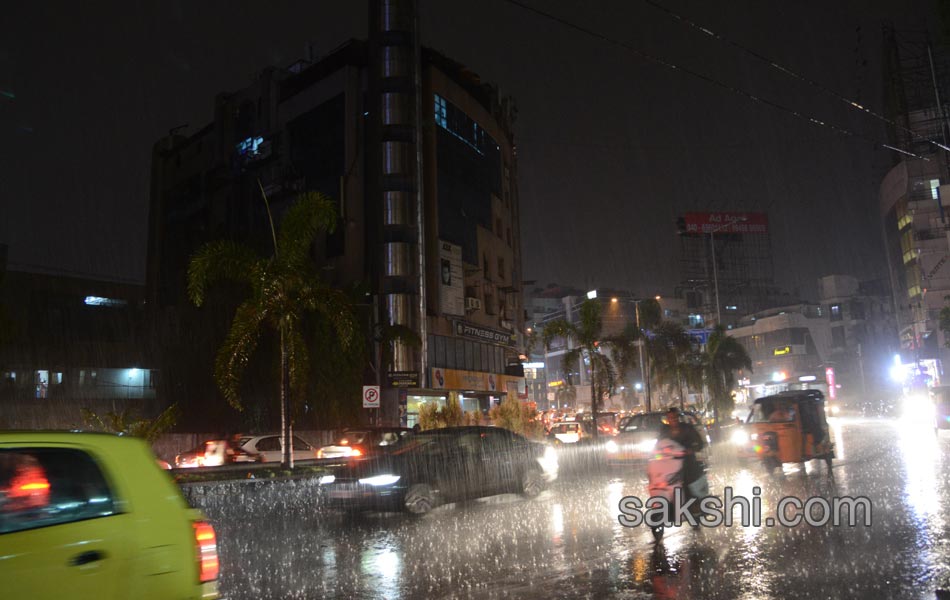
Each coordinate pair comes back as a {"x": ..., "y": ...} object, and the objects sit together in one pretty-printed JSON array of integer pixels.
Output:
[{"x": 665, "y": 476}]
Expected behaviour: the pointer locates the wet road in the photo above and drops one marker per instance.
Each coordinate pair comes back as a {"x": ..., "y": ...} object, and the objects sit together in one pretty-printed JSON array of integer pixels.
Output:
[{"x": 568, "y": 542}]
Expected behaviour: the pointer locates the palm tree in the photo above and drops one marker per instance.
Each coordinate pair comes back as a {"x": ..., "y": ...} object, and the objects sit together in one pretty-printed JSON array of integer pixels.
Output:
[
  {"x": 625, "y": 350},
  {"x": 669, "y": 350},
  {"x": 285, "y": 294},
  {"x": 722, "y": 358},
  {"x": 585, "y": 334}
]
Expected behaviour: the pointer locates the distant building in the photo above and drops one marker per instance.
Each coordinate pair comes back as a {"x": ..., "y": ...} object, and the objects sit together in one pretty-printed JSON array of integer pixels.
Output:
[
  {"x": 71, "y": 343},
  {"x": 844, "y": 345},
  {"x": 418, "y": 153},
  {"x": 725, "y": 266}
]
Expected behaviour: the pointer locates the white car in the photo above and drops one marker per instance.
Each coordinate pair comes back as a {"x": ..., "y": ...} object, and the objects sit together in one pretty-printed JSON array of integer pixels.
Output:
[{"x": 269, "y": 447}]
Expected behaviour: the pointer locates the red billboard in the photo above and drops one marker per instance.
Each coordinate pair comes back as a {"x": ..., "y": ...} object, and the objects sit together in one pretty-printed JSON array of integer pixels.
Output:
[{"x": 726, "y": 222}]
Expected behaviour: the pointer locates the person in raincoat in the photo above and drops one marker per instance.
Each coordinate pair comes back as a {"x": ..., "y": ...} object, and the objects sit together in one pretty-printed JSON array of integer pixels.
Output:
[{"x": 686, "y": 436}]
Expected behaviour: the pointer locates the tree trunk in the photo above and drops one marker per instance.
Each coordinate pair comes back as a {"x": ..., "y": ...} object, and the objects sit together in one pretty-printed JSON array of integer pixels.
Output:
[
  {"x": 679, "y": 382},
  {"x": 647, "y": 381},
  {"x": 286, "y": 429}
]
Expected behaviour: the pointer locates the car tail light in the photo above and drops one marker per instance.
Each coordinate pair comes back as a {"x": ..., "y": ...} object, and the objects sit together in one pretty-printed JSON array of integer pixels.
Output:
[
  {"x": 206, "y": 544},
  {"x": 356, "y": 452},
  {"x": 320, "y": 453}
]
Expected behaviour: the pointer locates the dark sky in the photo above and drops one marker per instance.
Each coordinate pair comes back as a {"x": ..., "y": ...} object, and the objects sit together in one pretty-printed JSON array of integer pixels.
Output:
[{"x": 611, "y": 147}]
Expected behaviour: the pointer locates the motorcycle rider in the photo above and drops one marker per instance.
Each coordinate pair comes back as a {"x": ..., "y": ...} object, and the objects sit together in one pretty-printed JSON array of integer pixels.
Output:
[{"x": 686, "y": 436}]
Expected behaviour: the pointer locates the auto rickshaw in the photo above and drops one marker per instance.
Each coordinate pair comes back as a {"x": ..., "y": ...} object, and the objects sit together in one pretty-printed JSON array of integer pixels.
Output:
[{"x": 789, "y": 427}]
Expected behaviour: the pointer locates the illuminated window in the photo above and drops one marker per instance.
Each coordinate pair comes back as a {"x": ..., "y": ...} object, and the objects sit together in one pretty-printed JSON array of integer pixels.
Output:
[
  {"x": 835, "y": 312},
  {"x": 100, "y": 301},
  {"x": 251, "y": 147}
]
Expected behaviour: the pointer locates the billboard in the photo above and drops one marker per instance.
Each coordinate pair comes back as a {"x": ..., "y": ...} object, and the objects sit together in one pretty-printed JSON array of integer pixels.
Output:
[
  {"x": 451, "y": 282},
  {"x": 725, "y": 222}
]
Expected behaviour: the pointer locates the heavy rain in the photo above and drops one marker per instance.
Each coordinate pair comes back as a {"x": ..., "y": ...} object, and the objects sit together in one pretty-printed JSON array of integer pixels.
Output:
[{"x": 499, "y": 299}]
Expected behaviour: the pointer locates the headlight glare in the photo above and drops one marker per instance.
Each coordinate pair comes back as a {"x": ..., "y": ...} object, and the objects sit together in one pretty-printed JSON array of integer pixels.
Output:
[{"x": 380, "y": 480}]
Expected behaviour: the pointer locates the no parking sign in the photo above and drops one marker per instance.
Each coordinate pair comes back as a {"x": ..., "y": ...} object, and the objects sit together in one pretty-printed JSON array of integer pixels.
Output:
[{"x": 370, "y": 396}]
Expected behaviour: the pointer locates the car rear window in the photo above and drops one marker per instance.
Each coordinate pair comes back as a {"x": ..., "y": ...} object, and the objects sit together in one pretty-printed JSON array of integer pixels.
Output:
[
  {"x": 40, "y": 487},
  {"x": 353, "y": 437},
  {"x": 566, "y": 428}
]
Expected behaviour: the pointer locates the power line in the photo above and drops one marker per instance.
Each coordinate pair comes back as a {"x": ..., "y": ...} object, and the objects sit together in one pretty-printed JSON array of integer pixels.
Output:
[
  {"x": 672, "y": 66},
  {"x": 791, "y": 73}
]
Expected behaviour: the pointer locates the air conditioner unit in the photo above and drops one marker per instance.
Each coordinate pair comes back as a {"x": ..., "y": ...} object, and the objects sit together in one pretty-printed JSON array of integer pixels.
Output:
[{"x": 473, "y": 304}]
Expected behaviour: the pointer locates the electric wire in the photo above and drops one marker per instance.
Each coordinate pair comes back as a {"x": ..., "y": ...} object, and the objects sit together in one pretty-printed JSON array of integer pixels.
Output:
[
  {"x": 796, "y": 75},
  {"x": 712, "y": 81}
]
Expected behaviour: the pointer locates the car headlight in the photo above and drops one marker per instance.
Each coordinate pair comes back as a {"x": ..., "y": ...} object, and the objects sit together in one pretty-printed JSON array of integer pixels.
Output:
[
  {"x": 548, "y": 462},
  {"x": 835, "y": 410},
  {"x": 326, "y": 479},
  {"x": 740, "y": 437},
  {"x": 646, "y": 445},
  {"x": 611, "y": 447},
  {"x": 380, "y": 480}
]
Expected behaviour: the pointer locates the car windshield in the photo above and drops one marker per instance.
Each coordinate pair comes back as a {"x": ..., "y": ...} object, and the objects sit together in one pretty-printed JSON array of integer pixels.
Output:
[
  {"x": 650, "y": 422},
  {"x": 775, "y": 411}
]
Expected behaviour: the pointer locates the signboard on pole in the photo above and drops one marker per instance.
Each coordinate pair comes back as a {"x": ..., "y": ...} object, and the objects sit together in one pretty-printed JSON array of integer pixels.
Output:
[
  {"x": 370, "y": 396},
  {"x": 725, "y": 222}
]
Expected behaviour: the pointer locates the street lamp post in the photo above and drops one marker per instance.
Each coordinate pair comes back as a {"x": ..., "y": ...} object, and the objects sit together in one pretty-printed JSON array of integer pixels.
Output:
[
  {"x": 712, "y": 246},
  {"x": 643, "y": 376}
]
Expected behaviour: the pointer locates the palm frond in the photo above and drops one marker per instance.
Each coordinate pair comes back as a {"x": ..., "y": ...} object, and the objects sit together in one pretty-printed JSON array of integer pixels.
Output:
[
  {"x": 335, "y": 308},
  {"x": 220, "y": 261},
  {"x": 392, "y": 334},
  {"x": 235, "y": 354},
  {"x": 312, "y": 213},
  {"x": 589, "y": 323},
  {"x": 557, "y": 329}
]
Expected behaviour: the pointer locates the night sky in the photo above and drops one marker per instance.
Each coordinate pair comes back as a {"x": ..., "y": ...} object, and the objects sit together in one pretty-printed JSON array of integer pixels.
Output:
[{"x": 611, "y": 147}]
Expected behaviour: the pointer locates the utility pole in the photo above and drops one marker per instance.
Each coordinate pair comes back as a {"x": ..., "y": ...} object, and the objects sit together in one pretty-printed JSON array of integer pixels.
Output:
[{"x": 643, "y": 375}]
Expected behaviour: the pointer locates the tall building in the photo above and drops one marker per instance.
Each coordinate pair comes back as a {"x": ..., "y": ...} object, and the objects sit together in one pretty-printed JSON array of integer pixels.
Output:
[
  {"x": 914, "y": 196},
  {"x": 725, "y": 266},
  {"x": 419, "y": 155}
]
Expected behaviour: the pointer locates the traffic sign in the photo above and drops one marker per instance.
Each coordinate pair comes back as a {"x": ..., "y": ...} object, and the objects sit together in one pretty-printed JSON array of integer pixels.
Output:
[{"x": 370, "y": 396}]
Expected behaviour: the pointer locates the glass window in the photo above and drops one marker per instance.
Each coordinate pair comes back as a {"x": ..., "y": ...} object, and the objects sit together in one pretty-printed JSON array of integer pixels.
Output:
[
  {"x": 301, "y": 446},
  {"x": 835, "y": 312},
  {"x": 40, "y": 487},
  {"x": 268, "y": 444}
]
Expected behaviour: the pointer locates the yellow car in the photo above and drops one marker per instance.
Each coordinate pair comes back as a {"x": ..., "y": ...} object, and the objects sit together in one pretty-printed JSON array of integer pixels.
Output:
[{"x": 88, "y": 515}]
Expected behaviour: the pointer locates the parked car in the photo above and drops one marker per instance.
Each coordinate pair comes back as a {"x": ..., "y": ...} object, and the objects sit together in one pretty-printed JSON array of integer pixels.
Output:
[
  {"x": 85, "y": 515},
  {"x": 363, "y": 441},
  {"x": 269, "y": 447},
  {"x": 214, "y": 453},
  {"x": 426, "y": 469},
  {"x": 637, "y": 436}
]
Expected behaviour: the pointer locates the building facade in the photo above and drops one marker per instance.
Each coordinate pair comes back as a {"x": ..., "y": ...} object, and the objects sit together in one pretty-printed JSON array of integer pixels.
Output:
[
  {"x": 69, "y": 343},
  {"x": 419, "y": 156},
  {"x": 913, "y": 199},
  {"x": 843, "y": 345},
  {"x": 725, "y": 266}
]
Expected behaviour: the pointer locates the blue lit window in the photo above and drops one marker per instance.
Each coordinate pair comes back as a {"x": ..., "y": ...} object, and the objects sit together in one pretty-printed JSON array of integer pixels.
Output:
[
  {"x": 452, "y": 119},
  {"x": 440, "y": 111},
  {"x": 250, "y": 147}
]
